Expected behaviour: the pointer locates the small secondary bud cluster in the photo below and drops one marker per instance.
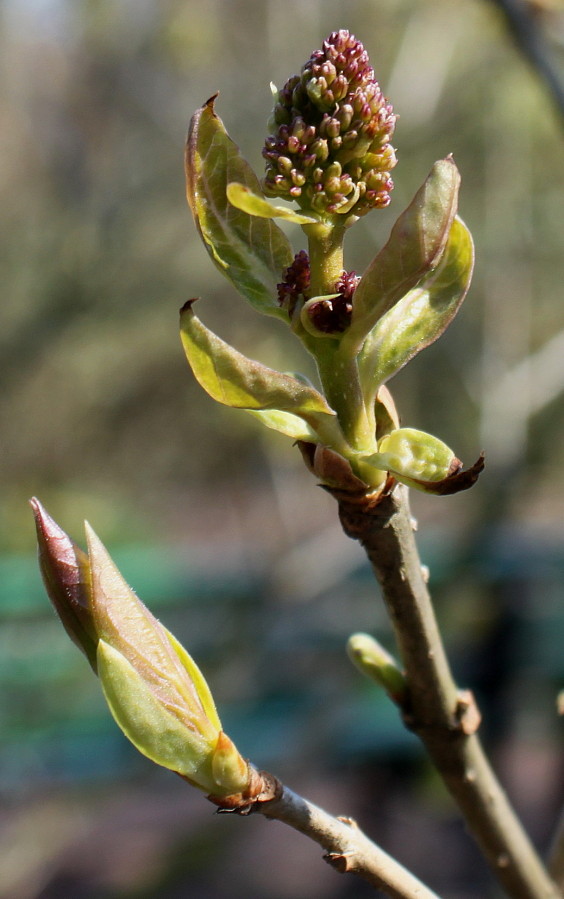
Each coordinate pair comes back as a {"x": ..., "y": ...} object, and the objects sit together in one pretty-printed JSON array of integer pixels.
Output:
[
  {"x": 331, "y": 128},
  {"x": 295, "y": 283},
  {"x": 330, "y": 315}
]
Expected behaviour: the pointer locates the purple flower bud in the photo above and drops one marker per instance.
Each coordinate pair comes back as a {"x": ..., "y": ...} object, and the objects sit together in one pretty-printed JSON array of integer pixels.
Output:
[
  {"x": 332, "y": 315},
  {"x": 284, "y": 165},
  {"x": 321, "y": 149},
  {"x": 335, "y": 107},
  {"x": 295, "y": 283}
]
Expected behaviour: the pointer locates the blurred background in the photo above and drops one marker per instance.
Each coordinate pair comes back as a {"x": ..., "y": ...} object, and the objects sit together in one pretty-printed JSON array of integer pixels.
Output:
[{"x": 215, "y": 522}]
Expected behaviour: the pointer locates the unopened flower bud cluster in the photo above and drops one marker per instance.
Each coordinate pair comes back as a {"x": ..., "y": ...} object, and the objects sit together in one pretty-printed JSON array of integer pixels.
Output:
[{"x": 331, "y": 128}]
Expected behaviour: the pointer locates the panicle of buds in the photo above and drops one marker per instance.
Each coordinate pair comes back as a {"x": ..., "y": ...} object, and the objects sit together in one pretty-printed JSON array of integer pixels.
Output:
[{"x": 329, "y": 147}]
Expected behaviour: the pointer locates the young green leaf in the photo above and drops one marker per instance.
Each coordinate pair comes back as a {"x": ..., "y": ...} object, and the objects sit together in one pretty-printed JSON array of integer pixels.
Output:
[
  {"x": 414, "y": 454},
  {"x": 242, "y": 383},
  {"x": 243, "y": 198},
  {"x": 251, "y": 252},
  {"x": 197, "y": 678},
  {"x": 123, "y": 622},
  {"x": 423, "y": 461},
  {"x": 415, "y": 245},
  {"x": 421, "y": 316},
  {"x": 285, "y": 423},
  {"x": 147, "y": 722}
]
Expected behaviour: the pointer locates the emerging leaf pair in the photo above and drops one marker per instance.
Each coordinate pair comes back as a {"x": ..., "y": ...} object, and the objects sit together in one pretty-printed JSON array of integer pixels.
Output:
[
  {"x": 155, "y": 691},
  {"x": 330, "y": 152}
]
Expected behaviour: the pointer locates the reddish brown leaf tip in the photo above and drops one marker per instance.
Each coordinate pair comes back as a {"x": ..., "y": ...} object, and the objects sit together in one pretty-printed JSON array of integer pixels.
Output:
[
  {"x": 47, "y": 528},
  {"x": 188, "y": 305},
  {"x": 66, "y": 575},
  {"x": 454, "y": 483},
  {"x": 211, "y": 102}
]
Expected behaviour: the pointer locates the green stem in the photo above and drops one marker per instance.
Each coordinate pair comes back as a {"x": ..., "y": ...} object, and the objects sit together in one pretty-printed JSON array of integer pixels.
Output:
[
  {"x": 341, "y": 385},
  {"x": 445, "y": 719},
  {"x": 338, "y": 371},
  {"x": 325, "y": 245}
]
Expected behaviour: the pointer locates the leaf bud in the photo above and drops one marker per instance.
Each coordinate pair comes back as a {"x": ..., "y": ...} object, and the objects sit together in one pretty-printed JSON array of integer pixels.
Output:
[
  {"x": 155, "y": 691},
  {"x": 376, "y": 663},
  {"x": 423, "y": 461},
  {"x": 415, "y": 454},
  {"x": 66, "y": 574}
]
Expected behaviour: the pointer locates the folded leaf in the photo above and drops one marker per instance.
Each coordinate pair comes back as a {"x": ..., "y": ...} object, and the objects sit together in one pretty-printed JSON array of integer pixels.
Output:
[
  {"x": 460, "y": 479},
  {"x": 200, "y": 683},
  {"x": 125, "y": 624},
  {"x": 243, "y": 198},
  {"x": 421, "y": 316},
  {"x": 414, "y": 454},
  {"x": 415, "y": 245},
  {"x": 148, "y": 724},
  {"x": 423, "y": 461},
  {"x": 251, "y": 252},
  {"x": 240, "y": 382}
]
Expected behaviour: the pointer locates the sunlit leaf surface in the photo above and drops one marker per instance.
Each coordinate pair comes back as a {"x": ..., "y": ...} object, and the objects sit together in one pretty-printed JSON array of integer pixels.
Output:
[
  {"x": 422, "y": 315},
  {"x": 414, "y": 247},
  {"x": 251, "y": 252}
]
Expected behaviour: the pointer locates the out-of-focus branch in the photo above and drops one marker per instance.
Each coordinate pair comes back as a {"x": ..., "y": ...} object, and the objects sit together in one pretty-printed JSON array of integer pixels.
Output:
[
  {"x": 556, "y": 860},
  {"x": 530, "y": 40},
  {"x": 556, "y": 857},
  {"x": 445, "y": 719}
]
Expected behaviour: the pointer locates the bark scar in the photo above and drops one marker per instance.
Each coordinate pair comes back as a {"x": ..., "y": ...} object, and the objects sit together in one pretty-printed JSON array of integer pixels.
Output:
[
  {"x": 340, "y": 861},
  {"x": 467, "y": 714}
]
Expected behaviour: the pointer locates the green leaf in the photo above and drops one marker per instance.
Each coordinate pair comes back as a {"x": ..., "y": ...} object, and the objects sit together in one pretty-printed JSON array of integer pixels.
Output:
[
  {"x": 123, "y": 622},
  {"x": 415, "y": 245},
  {"x": 251, "y": 252},
  {"x": 149, "y": 725},
  {"x": 421, "y": 316},
  {"x": 240, "y": 382},
  {"x": 243, "y": 198},
  {"x": 285, "y": 423},
  {"x": 408, "y": 453},
  {"x": 423, "y": 461},
  {"x": 198, "y": 679}
]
